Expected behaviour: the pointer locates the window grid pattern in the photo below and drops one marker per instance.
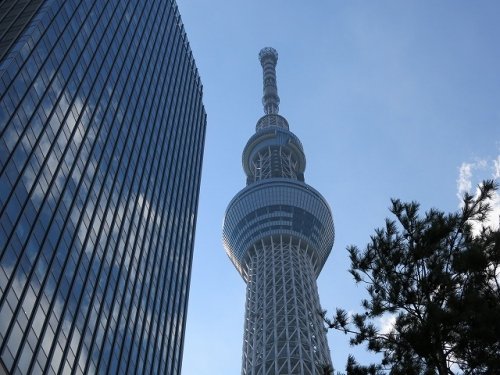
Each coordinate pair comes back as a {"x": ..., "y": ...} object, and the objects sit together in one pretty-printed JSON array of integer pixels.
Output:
[
  {"x": 277, "y": 206},
  {"x": 14, "y": 16},
  {"x": 101, "y": 138}
]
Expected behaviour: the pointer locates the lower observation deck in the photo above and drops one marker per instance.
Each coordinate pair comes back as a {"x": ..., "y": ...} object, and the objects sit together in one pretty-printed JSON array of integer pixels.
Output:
[{"x": 278, "y": 207}]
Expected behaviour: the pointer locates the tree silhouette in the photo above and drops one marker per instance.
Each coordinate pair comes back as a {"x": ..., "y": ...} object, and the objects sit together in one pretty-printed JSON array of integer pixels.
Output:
[{"x": 439, "y": 276}]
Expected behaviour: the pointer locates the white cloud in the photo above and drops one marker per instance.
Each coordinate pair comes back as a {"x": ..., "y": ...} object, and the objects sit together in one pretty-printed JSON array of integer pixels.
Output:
[
  {"x": 473, "y": 174},
  {"x": 494, "y": 217},
  {"x": 496, "y": 168},
  {"x": 386, "y": 323},
  {"x": 464, "y": 183}
]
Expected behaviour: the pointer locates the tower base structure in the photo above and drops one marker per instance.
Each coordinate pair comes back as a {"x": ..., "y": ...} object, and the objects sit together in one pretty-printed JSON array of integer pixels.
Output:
[{"x": 283, "y": 333}]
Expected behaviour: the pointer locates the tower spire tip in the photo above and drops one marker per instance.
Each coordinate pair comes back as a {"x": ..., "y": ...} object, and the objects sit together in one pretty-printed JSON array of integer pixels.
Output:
[
  {"x": 268, "y": 52},
  {"x": 268, "y": 57}
]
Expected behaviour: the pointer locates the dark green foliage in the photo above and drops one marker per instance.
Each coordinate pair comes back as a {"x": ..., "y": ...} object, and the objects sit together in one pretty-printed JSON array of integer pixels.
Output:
[
  {"x": 440, "y": 278},
  {"x": 325, "y": 369}
]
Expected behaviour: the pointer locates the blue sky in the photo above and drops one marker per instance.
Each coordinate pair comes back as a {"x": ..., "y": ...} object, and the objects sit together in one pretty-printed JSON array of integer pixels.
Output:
[{"x": 389, "y": 98}]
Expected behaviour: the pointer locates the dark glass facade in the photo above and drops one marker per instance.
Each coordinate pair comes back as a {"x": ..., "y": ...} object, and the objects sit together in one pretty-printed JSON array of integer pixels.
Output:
[
  {"x": 102, "y": 129},
  {"x": 14, "y": 17}
]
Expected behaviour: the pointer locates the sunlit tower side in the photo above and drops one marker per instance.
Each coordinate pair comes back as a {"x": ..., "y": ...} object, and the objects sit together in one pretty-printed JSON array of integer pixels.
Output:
[{"x": 278, "y": 232}]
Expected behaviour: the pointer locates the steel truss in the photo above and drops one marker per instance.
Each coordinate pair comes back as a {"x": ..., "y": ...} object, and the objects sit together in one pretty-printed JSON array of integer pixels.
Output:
[{"x": 283, "y": 333}]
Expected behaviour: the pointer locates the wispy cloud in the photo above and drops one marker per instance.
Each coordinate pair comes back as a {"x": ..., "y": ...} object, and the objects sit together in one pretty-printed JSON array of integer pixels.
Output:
[
  {"x": 472, "y": 174},
  {"x": 496, "y": 167},
  {"x": 464, "y": 183},
  {"x": 386, "y": 323}
]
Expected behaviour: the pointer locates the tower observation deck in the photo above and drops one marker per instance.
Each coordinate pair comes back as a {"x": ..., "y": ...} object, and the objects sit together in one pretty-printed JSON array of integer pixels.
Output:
[{"x": 278, "y": 232}]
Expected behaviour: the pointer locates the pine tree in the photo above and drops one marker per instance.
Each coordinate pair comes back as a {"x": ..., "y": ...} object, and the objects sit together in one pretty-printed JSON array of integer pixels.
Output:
[{"x": 439, "y": 277}]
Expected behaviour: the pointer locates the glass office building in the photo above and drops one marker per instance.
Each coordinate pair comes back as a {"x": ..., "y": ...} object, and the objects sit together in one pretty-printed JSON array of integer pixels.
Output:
[
  {"x": 278, "y": 232},
  {"x": 14, "y": 17},
  {"x": 102, "y": 130}
]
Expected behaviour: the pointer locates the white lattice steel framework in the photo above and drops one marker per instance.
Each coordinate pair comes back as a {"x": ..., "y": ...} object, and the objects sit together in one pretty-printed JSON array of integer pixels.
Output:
[
  {"x": 274, "y": 162},
  {"x": 278, "y": 232},
  {"x": 283, "y": 330}
]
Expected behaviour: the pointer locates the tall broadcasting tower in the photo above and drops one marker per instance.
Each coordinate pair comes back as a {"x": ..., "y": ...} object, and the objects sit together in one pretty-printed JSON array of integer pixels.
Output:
[{"x": 278, "y": 232}]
